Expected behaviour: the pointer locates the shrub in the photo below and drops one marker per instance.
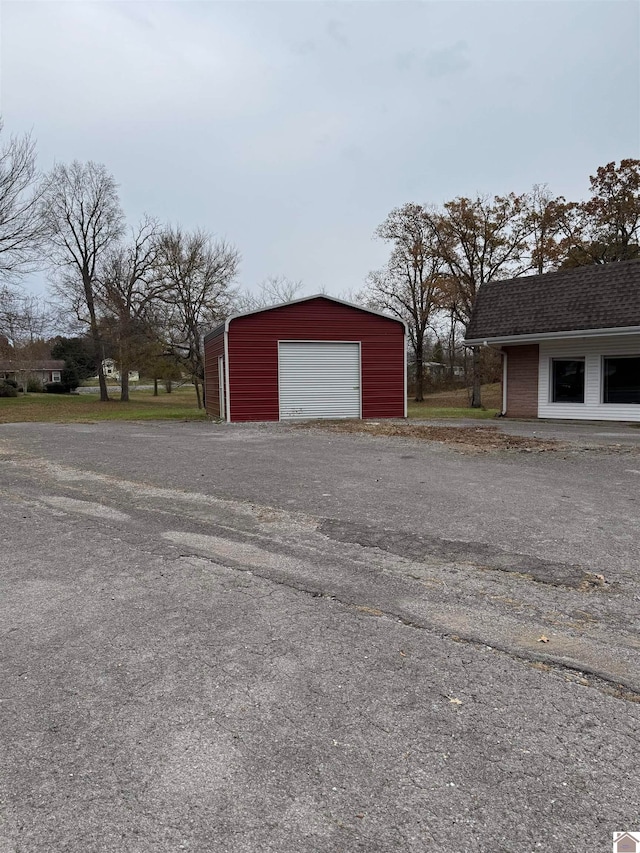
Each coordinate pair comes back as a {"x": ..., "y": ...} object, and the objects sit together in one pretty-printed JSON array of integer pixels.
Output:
[
  {"x": 79, "y": 354},
  {"x": 7, "y": 389},
  {"x": 56, "y": 388},
  {"x": 34, "y": 385},
  {"x": 71, "y": 376},
  {"x": 11, "y": 382}
]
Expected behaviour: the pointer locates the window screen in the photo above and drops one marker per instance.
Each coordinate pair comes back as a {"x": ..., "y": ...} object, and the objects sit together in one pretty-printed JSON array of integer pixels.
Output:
[
  {"x": 621, "y": 379},
  {"x": 568, "y": 380}
]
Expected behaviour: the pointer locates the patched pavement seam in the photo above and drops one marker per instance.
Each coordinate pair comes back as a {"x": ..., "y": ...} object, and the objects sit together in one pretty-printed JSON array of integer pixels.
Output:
[{"x": 615, "y": 681}]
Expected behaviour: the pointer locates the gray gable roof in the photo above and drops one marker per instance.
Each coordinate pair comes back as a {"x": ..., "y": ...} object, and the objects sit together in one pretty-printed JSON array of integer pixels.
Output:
[
  {"x": 603, "y": 296},
  {"x": 10, "y": 365}
]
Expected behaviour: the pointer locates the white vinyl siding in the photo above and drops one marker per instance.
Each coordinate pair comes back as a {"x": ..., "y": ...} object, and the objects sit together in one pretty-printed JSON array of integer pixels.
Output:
[
  {"x": 319, "y": 379},
  {"x": 592, "y": 350}
]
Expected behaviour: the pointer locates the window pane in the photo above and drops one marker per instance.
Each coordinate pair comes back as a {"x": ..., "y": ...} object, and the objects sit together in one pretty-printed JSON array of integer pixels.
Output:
[
  {"x": 568, "y": 381},
  {"x": 622, "y": 380}
]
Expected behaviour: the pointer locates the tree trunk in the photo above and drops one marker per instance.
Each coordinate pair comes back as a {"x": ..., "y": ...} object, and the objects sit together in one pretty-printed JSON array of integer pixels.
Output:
[
  {"x": 168, "y": 385},
  {"x": 155, "y": 387},
  {"x": 123, "y": 352},
  {"x": 476, "y": 380},
  {"x": 452, "y": 345},
  {"x": 104, "y": 394},
  {"x": 197, "y": 384},
  {"x": 419, "y": 374},
  {"x": 95, "y": 334}
]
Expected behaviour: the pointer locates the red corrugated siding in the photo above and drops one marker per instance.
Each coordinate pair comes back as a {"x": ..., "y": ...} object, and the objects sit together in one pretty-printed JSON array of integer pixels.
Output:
[
  {"x": 212, "y": 350},
  {"x": 253, "y": 356}
]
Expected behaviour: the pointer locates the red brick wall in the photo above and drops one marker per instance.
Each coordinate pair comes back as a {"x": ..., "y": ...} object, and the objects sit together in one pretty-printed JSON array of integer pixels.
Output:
[{"x": 522, "y": 381}]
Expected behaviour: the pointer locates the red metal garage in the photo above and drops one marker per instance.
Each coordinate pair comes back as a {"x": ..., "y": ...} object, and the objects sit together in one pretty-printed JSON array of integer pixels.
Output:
[{"x": 317, "y": 357}]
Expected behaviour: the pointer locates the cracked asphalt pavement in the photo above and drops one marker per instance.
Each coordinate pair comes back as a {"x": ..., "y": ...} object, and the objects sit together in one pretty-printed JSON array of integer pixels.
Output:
[{"x": 263, "y": 638}]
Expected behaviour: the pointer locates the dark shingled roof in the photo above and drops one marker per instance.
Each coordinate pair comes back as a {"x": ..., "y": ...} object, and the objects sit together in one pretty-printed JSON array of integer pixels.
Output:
[
  {"x": 9, "y": 365},
  {"x": 605, "y": 296}
]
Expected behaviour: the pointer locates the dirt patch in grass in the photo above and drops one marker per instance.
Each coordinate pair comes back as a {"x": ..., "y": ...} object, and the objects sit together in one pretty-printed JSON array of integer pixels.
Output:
[{"x": 470, "y": 439}]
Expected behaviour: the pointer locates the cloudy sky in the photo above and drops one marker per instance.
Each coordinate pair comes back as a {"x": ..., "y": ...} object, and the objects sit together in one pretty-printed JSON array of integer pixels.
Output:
[{"x": 293, "y": 128}]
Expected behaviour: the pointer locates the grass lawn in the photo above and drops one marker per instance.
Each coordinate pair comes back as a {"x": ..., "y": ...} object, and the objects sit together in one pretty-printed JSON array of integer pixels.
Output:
[
  {"x": 455, "y": 404},
  {"x": 181, "y": 405},
  {"x": 86, "y": 408}
]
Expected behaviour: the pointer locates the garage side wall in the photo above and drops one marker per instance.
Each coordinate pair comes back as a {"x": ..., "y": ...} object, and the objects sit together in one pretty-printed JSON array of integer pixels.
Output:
[
  {"x": 522, "y": 381},
  {"x": 213, "y": 349},
  {"x": 253, "y": 355}
]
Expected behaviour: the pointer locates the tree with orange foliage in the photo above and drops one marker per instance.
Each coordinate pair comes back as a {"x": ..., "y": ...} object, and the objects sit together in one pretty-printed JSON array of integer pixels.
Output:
[
  {"x": 479, "y": 240},
  {"x": 605, "y": 228},
  {"x": 410, "y": 285}
]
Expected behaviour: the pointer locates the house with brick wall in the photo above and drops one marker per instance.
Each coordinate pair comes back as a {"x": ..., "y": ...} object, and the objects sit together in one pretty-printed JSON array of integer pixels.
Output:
[{"x": 570, "y": 341}]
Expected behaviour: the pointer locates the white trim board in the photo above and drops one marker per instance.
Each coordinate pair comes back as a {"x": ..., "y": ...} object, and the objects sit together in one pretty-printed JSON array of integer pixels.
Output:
[
  {"x": 552, "y": 336},
  {"x": 227, "y": 388}
]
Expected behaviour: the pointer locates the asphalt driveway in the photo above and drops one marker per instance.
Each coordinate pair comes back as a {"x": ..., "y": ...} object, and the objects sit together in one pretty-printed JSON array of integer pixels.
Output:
[{"x": 270, "y": 638}]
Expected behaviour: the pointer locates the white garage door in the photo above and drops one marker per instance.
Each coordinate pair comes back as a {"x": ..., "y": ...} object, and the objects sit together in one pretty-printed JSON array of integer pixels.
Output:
[{"x": 319, "y": 379}]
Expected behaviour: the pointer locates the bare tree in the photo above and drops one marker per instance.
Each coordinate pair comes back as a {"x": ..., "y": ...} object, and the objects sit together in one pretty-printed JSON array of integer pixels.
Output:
[
  {"x": 354, "y": 296},
  {"x": 273, "y": 290},
  {"x": 20, "y": 192},
  {"x": 197, "y": 273},
  {"x": 545, "y": 214},
  {"x": 83, "y": 220},
  {"x": 279, "y": 288},
  {"x": 480, "y": 240},
  {"x": 24, "y": 318},
  {"x": 410, "y": 285},
  {"x": 127, "y": 284}
]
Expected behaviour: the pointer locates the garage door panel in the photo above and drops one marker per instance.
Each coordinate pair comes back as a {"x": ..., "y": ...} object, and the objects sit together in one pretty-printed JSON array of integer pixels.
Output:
[{"x": 319, "y": 379}]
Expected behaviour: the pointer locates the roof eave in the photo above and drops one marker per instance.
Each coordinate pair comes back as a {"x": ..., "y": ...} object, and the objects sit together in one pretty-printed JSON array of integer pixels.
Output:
[
  {"x": 214, "y": 332},
  {"x": 550, "y": 336}
]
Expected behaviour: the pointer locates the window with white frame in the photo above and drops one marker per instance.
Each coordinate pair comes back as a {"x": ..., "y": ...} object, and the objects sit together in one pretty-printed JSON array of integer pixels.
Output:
[
  {"x": 621, "y": 379},
  {"x": 567, "y": 380},
  {"x": 55, "y": 376}
]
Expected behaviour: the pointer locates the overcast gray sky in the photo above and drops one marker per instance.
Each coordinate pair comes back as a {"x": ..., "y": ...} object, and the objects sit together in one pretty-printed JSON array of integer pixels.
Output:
[{"x": 293, "y": 128}]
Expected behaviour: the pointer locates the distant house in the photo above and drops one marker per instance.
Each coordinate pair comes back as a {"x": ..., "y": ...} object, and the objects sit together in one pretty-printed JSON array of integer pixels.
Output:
[
  {"x": 110, "y": 369},
  {"x": 438, "y": 370},
  {"x": 47, "y": 370},
  {"x": 570, "y": 341}
]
